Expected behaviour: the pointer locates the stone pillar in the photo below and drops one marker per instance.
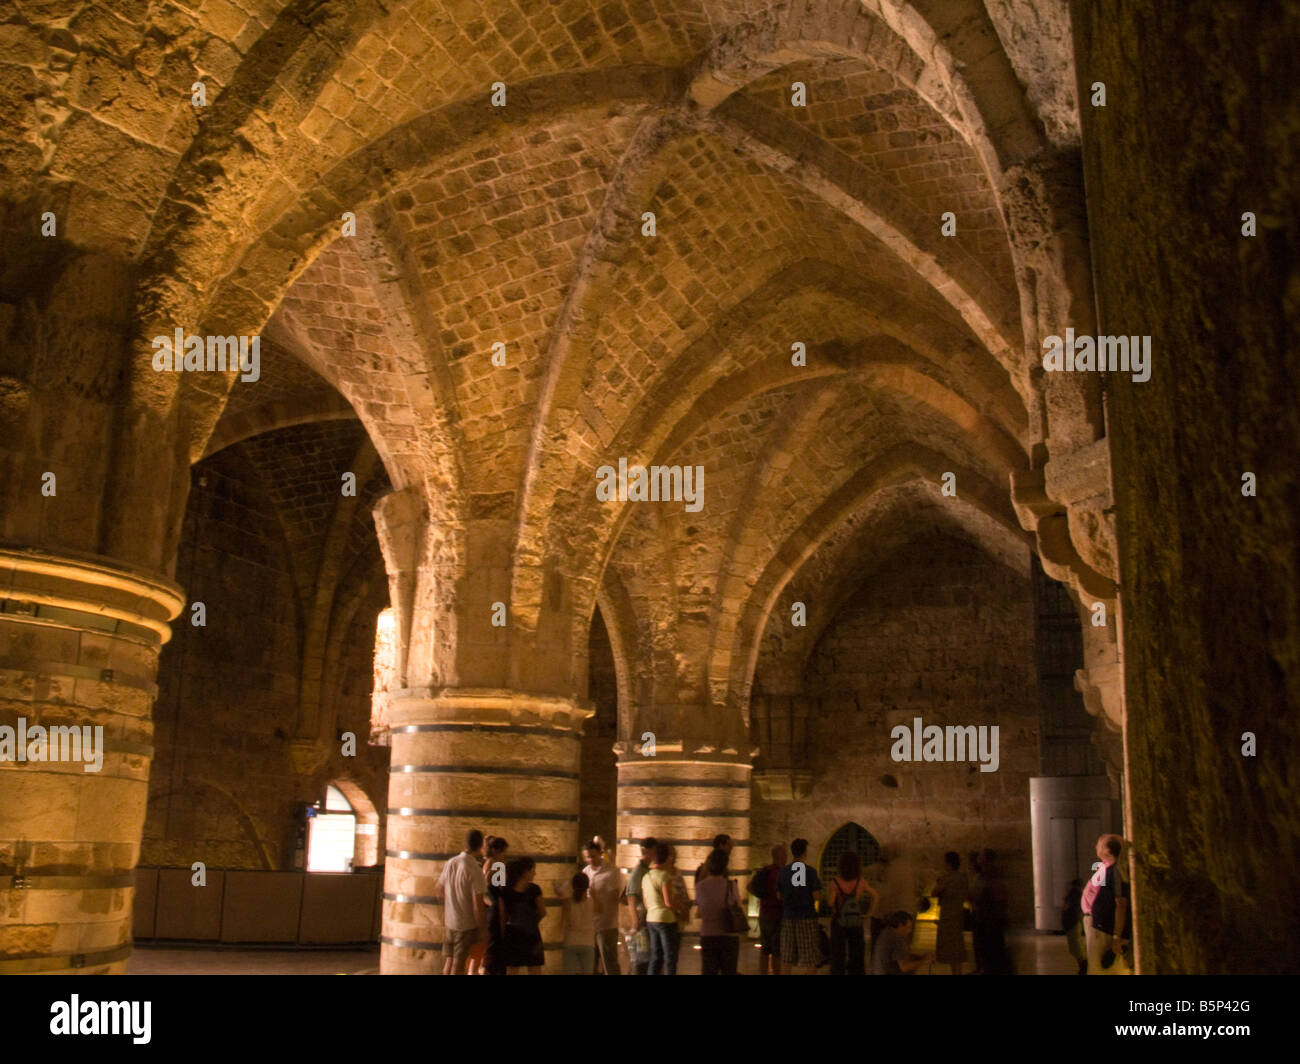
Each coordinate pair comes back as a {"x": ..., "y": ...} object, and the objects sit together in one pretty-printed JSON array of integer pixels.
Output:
[
  {"x": 500, "y": 761},
  {"x": 684, "y": 795},
  {"x": 79, "y": 642},
  {"x": 1211, "y": 618}
]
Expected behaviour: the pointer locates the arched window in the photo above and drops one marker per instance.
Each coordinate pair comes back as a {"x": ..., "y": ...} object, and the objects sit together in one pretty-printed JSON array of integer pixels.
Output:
[
  {"x": 332, "y": 833},
  {"x": 850, "y": 837}
]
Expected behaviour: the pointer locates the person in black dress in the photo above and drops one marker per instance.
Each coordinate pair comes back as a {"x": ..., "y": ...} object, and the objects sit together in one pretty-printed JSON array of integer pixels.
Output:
[
  {"x": 521, "y": 913},
  {"x": 494, "y": 869},
  {"x": 991, "y": 917}
]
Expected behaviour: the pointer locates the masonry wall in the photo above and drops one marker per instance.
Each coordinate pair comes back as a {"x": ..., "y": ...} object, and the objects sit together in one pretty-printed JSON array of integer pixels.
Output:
[
  {"x": 943, "y": 633},
  {"x": 224, "y": 786}
]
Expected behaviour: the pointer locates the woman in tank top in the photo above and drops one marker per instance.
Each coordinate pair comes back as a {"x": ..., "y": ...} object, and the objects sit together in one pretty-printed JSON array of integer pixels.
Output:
[{"x": 850, "y": 911}]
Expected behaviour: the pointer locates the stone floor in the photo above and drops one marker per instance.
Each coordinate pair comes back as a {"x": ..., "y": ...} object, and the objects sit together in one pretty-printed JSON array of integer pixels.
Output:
[
  {"x": 203, "y": 960},
  {"x": 1034, "y": 954}
]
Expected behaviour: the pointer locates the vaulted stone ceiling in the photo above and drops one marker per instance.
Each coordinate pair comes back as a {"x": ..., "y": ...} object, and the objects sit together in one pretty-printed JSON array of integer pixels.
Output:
[
  {"x": 820, "y": 225},
  {"x": 522, "y": 225}
]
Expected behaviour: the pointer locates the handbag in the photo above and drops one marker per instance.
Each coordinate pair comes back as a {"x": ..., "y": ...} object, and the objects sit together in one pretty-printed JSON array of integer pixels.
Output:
[
  {"x": 681, "y": 902},
  {"x": 737, "y": 917},
  {"x": 638, "y": 945}
]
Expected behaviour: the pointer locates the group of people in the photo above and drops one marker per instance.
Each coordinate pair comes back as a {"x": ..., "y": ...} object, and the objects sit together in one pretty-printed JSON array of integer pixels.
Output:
[
  {"x": 493, "y": 912},
  {"x": 988, "y": 917},
  {"x": 660, "y": 907},
  {"x": 790, "y": 933},
  {"x": 789, "y": 928},
  {"x": 788, "y": 895}
]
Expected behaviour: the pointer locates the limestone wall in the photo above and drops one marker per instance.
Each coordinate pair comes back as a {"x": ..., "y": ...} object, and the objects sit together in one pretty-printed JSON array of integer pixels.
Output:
[
  {"x": 224, "y": 782},
  {"x": 941, "y": 633}
]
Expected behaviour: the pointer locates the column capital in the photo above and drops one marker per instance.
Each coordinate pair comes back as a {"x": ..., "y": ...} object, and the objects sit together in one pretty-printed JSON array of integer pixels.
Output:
[
  {"x": 90, "y": 584},
  {"x": 784, "y": 784},
  {"x": 684, "y": 752},
  {"x": 1043, "y": 200},
  {"x": 412, "y": 706}
]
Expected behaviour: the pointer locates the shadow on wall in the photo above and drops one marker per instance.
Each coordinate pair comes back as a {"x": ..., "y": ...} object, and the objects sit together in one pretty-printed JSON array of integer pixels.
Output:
[{"x": 164, "y": 850}]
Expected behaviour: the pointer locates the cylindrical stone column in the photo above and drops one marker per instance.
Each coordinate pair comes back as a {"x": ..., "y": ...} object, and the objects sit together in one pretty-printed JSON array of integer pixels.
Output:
[
  {"x": 500, "y": 761},
  {"x": 79, "y": 641},
  {"x": 684, "y": 799}
]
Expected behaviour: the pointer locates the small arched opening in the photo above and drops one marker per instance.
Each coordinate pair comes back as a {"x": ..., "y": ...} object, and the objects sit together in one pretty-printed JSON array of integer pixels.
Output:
[
  {"x": 849, "y": 838},
  {"x": 344, "y": 833}
]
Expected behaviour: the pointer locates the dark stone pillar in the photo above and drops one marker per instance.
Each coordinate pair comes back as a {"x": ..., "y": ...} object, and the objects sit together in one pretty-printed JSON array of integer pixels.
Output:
[{"x": 1201, "y": 124}]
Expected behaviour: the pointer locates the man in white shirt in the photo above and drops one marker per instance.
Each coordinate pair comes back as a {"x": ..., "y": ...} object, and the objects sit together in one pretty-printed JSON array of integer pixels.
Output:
[
  {"x": 461, "y": 887},
  {"x": 606, "y": 889}
]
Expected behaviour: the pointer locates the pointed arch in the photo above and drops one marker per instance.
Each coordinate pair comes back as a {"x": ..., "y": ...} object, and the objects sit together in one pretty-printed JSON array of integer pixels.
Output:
[{"x": 848, "y": 838}]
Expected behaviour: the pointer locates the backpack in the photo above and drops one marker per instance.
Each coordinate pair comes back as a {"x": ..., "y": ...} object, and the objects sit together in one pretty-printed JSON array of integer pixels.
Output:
[
  {"x": 760, "y": 882},
  {"x": 849, "y": 912}
]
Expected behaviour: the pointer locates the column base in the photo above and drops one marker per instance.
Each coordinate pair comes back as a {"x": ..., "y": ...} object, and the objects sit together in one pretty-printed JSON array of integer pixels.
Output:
[
  {"x": 684, "y": 800},
  {"x": 79, "y": 642},
  {"x": 504, "y": 762}
]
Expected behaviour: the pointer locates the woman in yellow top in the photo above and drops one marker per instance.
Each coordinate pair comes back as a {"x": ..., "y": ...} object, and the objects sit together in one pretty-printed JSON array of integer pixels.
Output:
[{"x": 661, "y": 917}]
